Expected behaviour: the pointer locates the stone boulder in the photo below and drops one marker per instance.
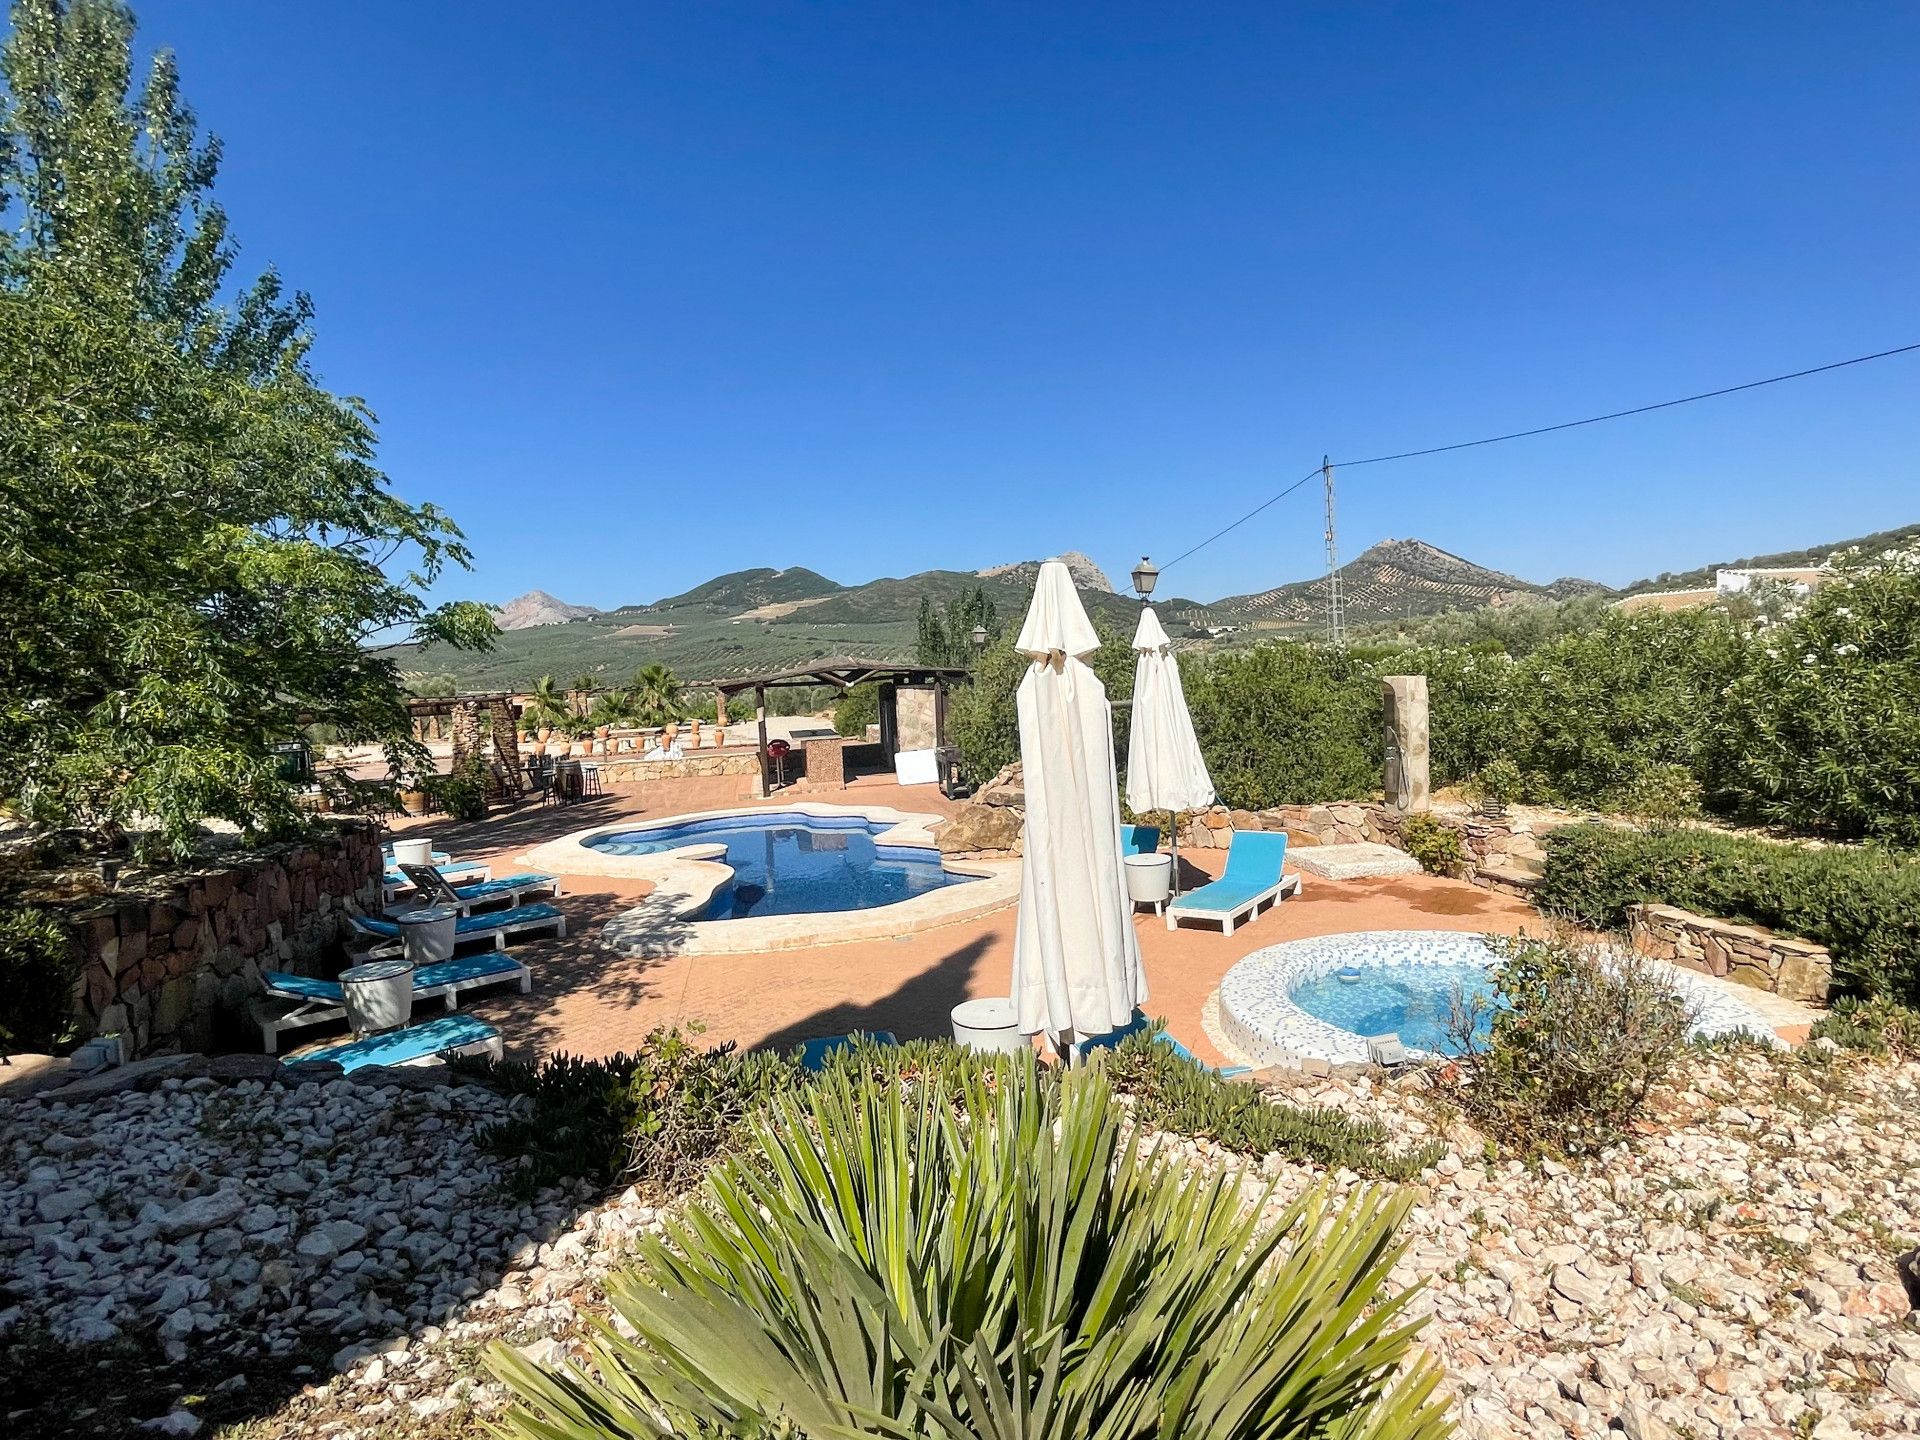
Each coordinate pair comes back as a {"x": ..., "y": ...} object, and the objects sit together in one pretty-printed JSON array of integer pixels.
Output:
[
  {"x": 1006, "y": 790},
  {"x": 981, "y": 828}
]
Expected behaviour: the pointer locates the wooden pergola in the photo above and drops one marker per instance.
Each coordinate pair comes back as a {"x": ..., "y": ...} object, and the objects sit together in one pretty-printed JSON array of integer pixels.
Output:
[{"x": 842, "y": 673}]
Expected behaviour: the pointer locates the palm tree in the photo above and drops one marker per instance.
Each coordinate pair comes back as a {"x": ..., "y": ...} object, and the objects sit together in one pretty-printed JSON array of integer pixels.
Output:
[
  {"x": 546, "y": 708},
  {"x": 614, "y": 707},
  {"x": 655, "y": 694}
]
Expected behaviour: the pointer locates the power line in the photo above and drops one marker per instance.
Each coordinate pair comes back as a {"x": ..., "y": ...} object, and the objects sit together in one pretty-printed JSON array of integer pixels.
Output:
[{"x": 1543, "y": 430}]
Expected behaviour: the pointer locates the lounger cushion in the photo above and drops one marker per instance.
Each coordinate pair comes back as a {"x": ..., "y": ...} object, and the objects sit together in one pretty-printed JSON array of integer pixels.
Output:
[
  {"x": 1224, "y": 895},
  {"x": 1254, "y": 859},
  {"x": 397, "y": 1047},
  {"x": 466, "y": 969},
  {"x": 1139, "y": 839},
  {"x": 471, "y": 924},
  {"x": 301, "y": 987},
  {"x": 501, "y": 887}
]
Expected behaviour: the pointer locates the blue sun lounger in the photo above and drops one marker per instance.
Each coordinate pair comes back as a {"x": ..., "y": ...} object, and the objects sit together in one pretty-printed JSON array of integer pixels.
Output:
[
  {"x": 315, "y": 1002},
  {"x": 393, "y": 880},
  {"x": 1251, "y": 880},
  {"x": 814, "y": 1053},
  {"x": 496, "y": 927},
  {"x": 432, "y": 887},
  {"x": 1139, "y": 839},
  {"x": 1111, "y": 1041},
  {"x": 414, "y": 1045}
]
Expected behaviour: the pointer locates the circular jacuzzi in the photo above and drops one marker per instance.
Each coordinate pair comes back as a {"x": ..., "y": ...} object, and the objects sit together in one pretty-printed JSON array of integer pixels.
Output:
[{"x": 1323, "y": 998}]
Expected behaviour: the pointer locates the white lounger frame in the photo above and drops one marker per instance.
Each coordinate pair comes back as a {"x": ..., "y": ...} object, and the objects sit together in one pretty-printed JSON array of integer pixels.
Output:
[
  {"x": 498, "y": 935},
  {"x": 476, "y": 873},
  {"x": 307, "y": 1011},
  {"x": 1249, "y": 908}
]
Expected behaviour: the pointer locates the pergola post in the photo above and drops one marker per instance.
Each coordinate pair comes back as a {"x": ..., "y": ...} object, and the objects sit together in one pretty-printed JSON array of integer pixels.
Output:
[
  {"x": 760, "y": 718},
  {"x": 506, "y": 743},
  {"x": 720, "y": 708},
  {"x": 466, "y": 733}
]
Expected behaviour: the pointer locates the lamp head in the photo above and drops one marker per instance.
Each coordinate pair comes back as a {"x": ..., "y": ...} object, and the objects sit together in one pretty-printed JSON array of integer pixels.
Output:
[{"x": 1144, "y": 576}]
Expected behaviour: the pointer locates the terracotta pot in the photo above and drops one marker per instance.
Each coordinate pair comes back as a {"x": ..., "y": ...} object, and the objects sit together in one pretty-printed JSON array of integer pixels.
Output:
[{"x": 414, "y": 802}]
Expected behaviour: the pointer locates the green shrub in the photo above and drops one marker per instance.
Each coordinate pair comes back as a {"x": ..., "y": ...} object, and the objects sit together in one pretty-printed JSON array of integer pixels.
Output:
[
  {"x": 1287, "y": 724},
  {"x": 1434, "y": 843},
  {"x": 1881, "y": 1027},
  {"x": 38, "y": 966},
  {"x": 1824, "y": 728},
  {"x": 1172, "y": 1093},
  {"x": 954, "y": 1259},
  {"x": 1579, "y": 1035},
  {"x": 1496, "y": 784},
  {"x": 462, "y": 794},
  {"x": 656, "y": 1118},
  {"x": 1661, "y": 794},
  {"x": 982, "y": 719},
  {"x": 1861, "y": 903},
  {"x": 858, "y": 708},
  {"x": 1587, "y": 716}
]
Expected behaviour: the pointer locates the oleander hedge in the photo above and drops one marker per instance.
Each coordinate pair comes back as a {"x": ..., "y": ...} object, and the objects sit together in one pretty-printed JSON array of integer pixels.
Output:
[{"x": 1862, "y": 903}]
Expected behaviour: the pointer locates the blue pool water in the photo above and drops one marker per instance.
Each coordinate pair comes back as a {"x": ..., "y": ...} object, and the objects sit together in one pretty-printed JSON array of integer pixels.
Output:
[
  {"x": 785, "y": 864},
  {"x": 1411, "y": 1001}
]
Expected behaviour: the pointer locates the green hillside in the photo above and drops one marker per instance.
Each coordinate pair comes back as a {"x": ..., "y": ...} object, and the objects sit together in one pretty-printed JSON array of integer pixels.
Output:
[
  {"x": 1702, "y": 578},
  {"x": 748, "y": 590}
]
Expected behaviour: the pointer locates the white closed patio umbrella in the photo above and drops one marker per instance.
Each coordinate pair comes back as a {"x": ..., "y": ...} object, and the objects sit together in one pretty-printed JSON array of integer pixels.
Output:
[
  {"x": 1165, "y": 770},
  {"x": 1076, "y": 961}
]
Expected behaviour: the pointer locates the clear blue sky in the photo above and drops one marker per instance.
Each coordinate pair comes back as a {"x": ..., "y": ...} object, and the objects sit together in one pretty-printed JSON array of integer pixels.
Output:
[{"x": 645, "y": 292}]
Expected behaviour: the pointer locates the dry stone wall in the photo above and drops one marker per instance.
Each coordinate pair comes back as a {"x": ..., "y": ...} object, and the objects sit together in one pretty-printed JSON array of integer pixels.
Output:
[
  {"x": 1748, "y": 954},
  {"x": 173, "y": 966}
]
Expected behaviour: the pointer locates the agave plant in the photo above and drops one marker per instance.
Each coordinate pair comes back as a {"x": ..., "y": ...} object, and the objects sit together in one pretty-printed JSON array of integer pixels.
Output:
[{"x": 990, "y": 1253}]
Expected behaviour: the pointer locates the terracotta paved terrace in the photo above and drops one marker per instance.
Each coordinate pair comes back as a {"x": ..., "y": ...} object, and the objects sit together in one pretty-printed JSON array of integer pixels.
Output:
[{"x": 590, "y": 1001}]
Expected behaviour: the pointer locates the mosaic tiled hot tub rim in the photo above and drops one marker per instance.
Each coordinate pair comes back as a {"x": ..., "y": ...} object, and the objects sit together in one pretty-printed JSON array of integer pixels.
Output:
[{"x": 1260, "y": 1020}]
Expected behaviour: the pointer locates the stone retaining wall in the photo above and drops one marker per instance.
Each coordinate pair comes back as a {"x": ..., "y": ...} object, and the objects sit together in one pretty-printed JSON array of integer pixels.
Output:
[
  {"x": 1749, "y": 954},
  {"x": 621, "y": 770},
  {"x": 173, "y": 966},
  {"x": 1504, "y": 852}
]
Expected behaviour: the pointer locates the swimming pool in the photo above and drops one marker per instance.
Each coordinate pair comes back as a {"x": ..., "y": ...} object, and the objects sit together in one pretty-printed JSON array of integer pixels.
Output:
[
  {"x": 793, "y": 864},
  {"x": 1321, "y": 998}
]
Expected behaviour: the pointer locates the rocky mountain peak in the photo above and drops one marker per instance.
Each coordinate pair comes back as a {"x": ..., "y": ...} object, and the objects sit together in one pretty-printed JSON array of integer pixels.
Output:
[{"x": 537, "y": 607}]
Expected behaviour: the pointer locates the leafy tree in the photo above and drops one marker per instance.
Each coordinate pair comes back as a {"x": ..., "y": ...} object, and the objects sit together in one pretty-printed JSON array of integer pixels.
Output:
[
  {"x": 1824, "y": 727},
  {"x": 195, "y": 541},
  {"x": 1589, "y": 715},
  {"x": 1287, "y": 724},
  {"x": 945, "y": 636},
  {"x": 983, "y": 718},
  {"x": 858, "y": 708}
]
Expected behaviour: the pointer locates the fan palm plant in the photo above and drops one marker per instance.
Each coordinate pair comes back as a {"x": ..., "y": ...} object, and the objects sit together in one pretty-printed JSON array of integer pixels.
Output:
[
  {"x": 654, "y": 693},
  {"x": 615, "y": 707},
  {"x": 987, "y": 1251},
  {"x": 546, "y": 707}
]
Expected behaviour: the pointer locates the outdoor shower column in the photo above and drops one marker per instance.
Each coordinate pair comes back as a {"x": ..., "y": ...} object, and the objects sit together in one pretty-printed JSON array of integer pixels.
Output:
[{"x": 1404, "y": 704}]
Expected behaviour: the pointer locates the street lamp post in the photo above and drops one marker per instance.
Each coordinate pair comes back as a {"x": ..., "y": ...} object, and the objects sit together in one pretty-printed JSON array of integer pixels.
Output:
[{"x": 1144, "y": 576}]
